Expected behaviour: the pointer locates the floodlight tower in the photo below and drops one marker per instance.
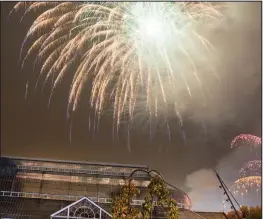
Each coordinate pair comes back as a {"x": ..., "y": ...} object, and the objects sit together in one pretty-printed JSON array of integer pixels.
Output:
[{"x": 228, "y": 194}]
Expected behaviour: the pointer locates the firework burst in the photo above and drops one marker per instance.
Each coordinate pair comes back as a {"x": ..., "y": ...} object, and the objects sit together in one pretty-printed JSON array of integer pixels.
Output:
[
  {"x": 246, "y": 140},
  {"x": 250, "y": 174},
  {"x": 138, "y": 55},
  {"x": 243, "y": 185},
  {"x": 251, "y": 168}
]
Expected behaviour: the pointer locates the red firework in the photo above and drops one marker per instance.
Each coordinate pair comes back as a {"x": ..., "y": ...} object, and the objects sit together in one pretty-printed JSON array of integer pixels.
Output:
[{"x": 246, "y": 140}]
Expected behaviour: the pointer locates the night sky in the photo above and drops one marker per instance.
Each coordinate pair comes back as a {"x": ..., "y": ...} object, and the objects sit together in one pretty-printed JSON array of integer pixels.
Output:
[{"x": 30, "y": 129}]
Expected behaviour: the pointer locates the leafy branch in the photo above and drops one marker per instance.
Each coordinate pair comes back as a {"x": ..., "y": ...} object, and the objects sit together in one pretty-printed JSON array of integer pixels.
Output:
[{"x": 121, "y": 204}]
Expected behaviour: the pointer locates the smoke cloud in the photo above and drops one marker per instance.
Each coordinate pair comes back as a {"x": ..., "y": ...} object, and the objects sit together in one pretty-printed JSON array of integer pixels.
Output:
[
  {"x": 204, "y": 185},
  {"x": 205, "y": 193},
  {"x": 237, "y": 61}
]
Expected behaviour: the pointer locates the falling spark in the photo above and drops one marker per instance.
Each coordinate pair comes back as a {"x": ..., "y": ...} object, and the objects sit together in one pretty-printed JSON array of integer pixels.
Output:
[{"x": 26, "y": 90}]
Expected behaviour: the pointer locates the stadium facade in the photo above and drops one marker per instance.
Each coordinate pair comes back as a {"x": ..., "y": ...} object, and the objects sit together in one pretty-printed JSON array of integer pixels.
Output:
[{"x": 38, "y": 188}]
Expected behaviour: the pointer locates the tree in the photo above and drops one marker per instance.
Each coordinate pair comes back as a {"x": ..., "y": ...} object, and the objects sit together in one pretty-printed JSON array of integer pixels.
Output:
[
  {"x": 232, "y": 214},
  {"x": 255, "y": 213},
  {"x": 121, "y": 204},
  {"x": 247, "y": 213},
  {"x": 157, "y": 188},
  {"x": 123, "y": 210}
]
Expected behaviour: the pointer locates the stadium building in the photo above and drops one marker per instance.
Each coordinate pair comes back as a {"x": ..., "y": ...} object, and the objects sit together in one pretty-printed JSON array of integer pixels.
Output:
[{"x": 38, "y": 188}]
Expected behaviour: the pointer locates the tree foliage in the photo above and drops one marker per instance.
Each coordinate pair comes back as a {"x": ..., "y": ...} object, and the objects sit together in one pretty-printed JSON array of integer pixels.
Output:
[
  {"x": 255, "y": 213},
  {"x": 123, "y": 210},
  {"x": 157, "y": 188},
  {"x": 121, "y": 204},
  {"x": 247, "y": 213}
]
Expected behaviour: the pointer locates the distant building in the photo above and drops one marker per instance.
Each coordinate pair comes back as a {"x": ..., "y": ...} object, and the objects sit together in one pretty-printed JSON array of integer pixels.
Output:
[{"x": 38, "y": 188}]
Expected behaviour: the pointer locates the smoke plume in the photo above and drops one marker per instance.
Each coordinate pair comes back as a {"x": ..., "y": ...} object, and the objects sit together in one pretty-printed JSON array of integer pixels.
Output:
[{"x": 204, "y": 185}]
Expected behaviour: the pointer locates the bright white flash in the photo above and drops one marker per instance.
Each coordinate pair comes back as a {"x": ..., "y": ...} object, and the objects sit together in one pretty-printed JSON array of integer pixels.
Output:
[
  {"x": 150, "y": 23},
  {"x": 152, "y": 27}
]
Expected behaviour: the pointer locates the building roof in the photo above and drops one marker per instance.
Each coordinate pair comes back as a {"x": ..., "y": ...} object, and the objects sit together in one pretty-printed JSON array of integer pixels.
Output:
[
  {"x": 78, "y": 162},
  {"x": 213, "y": 215}
]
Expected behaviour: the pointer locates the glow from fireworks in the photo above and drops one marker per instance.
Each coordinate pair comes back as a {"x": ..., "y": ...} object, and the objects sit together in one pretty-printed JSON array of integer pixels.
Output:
[
  {"x": 250, "y": 179},
  {"x": 137, "y": 54},
  {"x": 247, "y": 141},
  {"x": 251, "y": 168},
  {"x": 248, "y": 182}
]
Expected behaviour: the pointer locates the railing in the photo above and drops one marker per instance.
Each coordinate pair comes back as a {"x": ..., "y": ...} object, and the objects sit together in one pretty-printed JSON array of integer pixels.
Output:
[
  {"x": 73, "y": 198},
  {"x": 78, "y": 171},
  {"x": 9, "y": 216}
]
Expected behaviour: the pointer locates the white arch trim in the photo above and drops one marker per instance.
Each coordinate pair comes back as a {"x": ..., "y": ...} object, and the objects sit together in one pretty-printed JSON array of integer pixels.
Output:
[{"x": 56, "y": 214}]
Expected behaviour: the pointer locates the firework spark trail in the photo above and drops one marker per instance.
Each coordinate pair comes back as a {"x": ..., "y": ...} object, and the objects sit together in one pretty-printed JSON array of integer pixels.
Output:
[
  {"x": 26, "y": 91},
  {"x": 183, "y": 136},
  {"x": 251, "y": 168},
  {"x": 246, "y": 185},
  {"x": 246, "y": 140},
  {"x": 127, "y": 50},
  {"x": 248, "y": 182}
]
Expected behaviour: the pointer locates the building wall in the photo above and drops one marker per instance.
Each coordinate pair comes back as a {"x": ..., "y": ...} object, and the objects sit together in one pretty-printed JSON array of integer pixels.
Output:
[{"x": 44, "y": 187}]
